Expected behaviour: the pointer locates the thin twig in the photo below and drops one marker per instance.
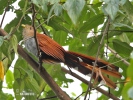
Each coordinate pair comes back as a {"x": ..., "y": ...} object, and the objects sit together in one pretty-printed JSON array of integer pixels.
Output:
[
  {"x": 4, "y": 13},
  {"x": 118, "y": 56},
  {"x": 80, "y": 95},
  {"x": 98, "y": 51},
  {"x": 43, "y": 29},
  {"x": 33, "y": 21},
  {"x": 45, "y": 21}
]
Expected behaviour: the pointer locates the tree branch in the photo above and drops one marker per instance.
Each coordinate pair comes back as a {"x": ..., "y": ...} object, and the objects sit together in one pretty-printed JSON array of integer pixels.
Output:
[{"x": 43, "y": 73}]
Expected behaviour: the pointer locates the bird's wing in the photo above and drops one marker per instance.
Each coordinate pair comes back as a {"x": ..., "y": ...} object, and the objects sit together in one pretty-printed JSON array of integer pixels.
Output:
[{"x": 50, "y": 47}]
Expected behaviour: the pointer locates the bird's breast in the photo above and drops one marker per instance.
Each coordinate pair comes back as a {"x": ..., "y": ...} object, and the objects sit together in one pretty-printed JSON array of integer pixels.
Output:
[{"x": 30, "y": 45}]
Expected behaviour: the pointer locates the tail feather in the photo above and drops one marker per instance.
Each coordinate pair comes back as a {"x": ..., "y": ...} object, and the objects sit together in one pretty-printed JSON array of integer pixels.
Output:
[{"x": 90, "y": 60}]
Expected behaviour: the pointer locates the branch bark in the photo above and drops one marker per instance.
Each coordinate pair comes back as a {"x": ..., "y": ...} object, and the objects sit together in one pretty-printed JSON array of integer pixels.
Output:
[{"x": 43, "y": 73}]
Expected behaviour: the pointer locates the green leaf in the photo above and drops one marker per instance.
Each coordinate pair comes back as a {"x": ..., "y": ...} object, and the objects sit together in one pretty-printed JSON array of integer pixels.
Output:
[
  {"x": 22, "y": 65},
  {"x": 3, "y": 5},
  {"x": 92, "y": 23},
  {"x": 32, "y": 84},
  {"x": 1, "y": 40},
  {"x": 93, "y": 46},
  {"x": 74, "y": 8},
  {"x": 130, "y": 93},
  {"x": 122, "y": 25},
  {"x": 128, "y": 8},
  {"x": 9, "y": 79},
  {"x": 44, "y": 6},
  {"x": 57, "y": 9},
  {"x": 6, "y": 96},
  {"x": 35, "y": 1},
  {"x": 14, "y": 43},
  {"x": 122, "y": 48},
  {"x": 103, "y": 97},
  {"x": 125, "y": 90},
  {"x": 84, "y": 86},
  {"x": 122, "y": 2},
  {"x": 73, "y": 44},
  {"x": 40, "y": 81},
  {"x": 56, "y": 25},
  {"x": 124, "y": 38},
  {"x": 4, "y": 48},
  {"x": 60, "y": 37},
  {"x": 29, "y": 72},
  {"x": 18, "y": 87},
  {"x": 111, "y": 7}
]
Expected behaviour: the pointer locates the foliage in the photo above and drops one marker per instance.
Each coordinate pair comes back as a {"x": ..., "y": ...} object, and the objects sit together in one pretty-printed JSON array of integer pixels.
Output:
[{"x": 78, "y": 24}]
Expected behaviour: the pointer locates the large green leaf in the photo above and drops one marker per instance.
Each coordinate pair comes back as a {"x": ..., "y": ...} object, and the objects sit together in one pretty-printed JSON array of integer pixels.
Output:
[
  {"x": 9, "y": 79},
  {"x": 18, "y": 87},
  {"x": 32, "y": 84},
  {"x": 6, "y": 96},
  {"x": 130, "y": 93},
  {"x": 22, "y": 69},
  {"x": 74, "y": 44},
  {"x": 4, "y": 48},
  {"x": 57, "y": 9},
  {"x": 128, "y": 7},
  {"x": 93, "y": 46},
  {"x": 92, "y": 23},
  {"x": 74, "y": 8},
  {"x": 122, "y": 48},
  {"x": 60, "y": 37},
  {"x": 111, "y": 7},
  {"x": 3, "y": 5},
  {"x": 57, "y": 24},
  {"x": 40, "y": 81},
  {"x": 122, "y": 25},
  {"x": 84, "y": 86}
]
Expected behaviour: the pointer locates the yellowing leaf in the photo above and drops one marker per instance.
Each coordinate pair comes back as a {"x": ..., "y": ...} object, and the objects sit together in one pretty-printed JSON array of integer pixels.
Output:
[{"x": 1, "y": 71}]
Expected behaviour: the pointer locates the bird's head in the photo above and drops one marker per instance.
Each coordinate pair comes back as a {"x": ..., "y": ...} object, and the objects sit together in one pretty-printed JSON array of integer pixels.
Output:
[{"x": 28, "y": 31}]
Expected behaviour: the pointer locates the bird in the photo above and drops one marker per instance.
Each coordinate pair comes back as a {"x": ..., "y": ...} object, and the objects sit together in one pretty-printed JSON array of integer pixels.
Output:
[{"x": 52, "y": 52}]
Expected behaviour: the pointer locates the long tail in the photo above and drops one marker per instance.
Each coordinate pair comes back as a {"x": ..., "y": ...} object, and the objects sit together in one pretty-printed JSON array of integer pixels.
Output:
[{"x": 85, "y": 66}]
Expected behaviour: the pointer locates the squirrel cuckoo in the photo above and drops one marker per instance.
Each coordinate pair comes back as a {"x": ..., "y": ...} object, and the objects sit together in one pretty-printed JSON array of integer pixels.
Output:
[{"x": 52, "y": 52}]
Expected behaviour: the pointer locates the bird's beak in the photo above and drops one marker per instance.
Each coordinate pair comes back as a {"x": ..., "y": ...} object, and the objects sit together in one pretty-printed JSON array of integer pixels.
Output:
[{"x": 23, "y": 25}]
